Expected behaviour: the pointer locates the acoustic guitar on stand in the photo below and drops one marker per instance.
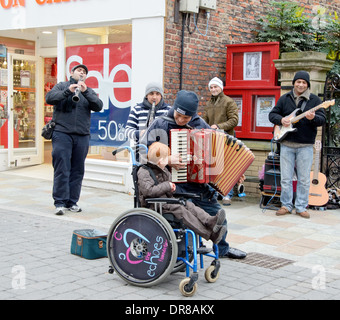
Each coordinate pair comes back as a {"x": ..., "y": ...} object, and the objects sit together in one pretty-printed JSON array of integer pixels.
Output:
[
  {"x": 280, "y": 132},
  {"x": 318, "y": 195}
]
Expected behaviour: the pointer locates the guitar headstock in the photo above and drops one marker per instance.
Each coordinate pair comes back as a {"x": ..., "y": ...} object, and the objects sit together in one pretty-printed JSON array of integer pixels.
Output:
[{"x": 327, "y": 103}]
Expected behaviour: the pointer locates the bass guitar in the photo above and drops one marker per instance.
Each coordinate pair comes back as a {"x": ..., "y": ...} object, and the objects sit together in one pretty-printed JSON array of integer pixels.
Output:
[
  {"x": 318, "y": 195},
  {"x": 280, "y": 132}
]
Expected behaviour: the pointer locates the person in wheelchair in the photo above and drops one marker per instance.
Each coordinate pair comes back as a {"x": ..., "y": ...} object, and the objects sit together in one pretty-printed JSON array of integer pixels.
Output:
[
  {"x": 183, "y": 115},
  {"x": 154, "y": 181}
]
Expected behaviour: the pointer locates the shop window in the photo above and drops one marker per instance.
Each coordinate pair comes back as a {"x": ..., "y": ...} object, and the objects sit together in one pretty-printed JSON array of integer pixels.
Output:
[
  {"x": 24, "y": 92},
  {"x": 106, "y": 51}
]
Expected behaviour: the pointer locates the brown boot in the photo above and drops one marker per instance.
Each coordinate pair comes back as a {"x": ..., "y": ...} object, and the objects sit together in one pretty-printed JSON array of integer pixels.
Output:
[
  {"x": 220, "y": 219},
  {"x": 216, "y": 237},
  {"x": 304, "y": 214},
  {"x": 214, "y": 223},
  {"x": 282, "y": 211}
]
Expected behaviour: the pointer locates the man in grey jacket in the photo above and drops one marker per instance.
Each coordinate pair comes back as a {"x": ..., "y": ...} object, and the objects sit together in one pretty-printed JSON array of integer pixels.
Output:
[{"x": 71, "y": 136}]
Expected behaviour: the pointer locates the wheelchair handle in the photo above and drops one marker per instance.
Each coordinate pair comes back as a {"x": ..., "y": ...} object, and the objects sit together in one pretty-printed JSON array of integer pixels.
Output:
[{"x": 132, "y": 150}]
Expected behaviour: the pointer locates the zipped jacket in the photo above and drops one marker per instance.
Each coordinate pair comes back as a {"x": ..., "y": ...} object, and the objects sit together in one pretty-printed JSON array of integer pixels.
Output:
[
  {"x": 306, "y": 129},
  {"x": 73, "y": 117},
  {"x": 222, "y": 111}
]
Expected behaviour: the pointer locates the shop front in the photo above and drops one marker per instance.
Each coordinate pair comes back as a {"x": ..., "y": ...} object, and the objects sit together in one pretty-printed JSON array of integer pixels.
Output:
[{"x": 121, "y": 43}]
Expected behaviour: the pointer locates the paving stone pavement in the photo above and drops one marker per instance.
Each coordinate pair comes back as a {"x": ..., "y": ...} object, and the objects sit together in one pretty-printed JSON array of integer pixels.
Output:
[{"x": 36, "y": 263}]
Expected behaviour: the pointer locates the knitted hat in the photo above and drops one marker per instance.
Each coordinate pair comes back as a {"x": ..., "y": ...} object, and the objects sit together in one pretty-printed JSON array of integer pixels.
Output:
[
  {"x": 304, "y": 75},
  {"x": 186, "y": 103},
  {"x": 80, "y": 66},
  {"x": 154, "y": 86},
  {"x": 216, "y": 81}
]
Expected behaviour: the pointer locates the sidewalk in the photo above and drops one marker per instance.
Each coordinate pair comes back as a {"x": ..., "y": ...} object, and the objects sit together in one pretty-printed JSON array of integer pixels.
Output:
[{"x": 288, "y": 257}]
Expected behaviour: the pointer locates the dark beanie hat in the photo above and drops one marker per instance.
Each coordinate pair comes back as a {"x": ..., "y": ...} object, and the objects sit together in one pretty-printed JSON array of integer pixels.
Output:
[
  {"x": 81, "y": 66},
  {"x": 304, "y": 75},
  {"x": 186, "y": 103}
]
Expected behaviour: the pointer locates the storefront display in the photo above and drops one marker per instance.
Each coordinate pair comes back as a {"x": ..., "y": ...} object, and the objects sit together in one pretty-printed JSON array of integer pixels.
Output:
[{"x": 111, "y": 39}]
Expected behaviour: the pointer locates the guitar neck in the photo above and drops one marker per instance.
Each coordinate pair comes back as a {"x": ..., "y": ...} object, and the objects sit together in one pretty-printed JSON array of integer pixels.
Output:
[
  {"x": 302, "y": 115},
  {"x": 316, "y": 165}
]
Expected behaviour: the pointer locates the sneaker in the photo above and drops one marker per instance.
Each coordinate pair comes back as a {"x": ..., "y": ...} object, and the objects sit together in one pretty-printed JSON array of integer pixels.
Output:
[
  {"x": 74, "y": 208},
  {"x": 304, "y": 214},
  {"x": 226, "y": 201},
  {"x": 59, "y": 211},
  {"x": 282, "y": 211}
]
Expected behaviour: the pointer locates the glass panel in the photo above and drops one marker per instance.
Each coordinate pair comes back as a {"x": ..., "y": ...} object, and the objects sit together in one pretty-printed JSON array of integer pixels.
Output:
[
  {"x": 24, "y": 103},
  {"x": 239, "y": 101},
  {"x": 107, "y": 53},
  {"x": 3, "y": 103},
  {"x": 262, "y": 105}
]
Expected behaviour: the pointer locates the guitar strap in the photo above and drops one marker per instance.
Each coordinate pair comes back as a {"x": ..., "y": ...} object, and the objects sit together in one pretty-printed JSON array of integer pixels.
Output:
[{"x": 303, "y": 105}]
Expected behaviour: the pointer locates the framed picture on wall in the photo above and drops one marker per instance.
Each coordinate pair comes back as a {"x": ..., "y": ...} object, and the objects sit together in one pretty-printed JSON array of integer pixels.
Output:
[
  {"x": 238, "y": 101},
  {"x": 252, "y": 66},
  {"x": 263, "y": 106}
]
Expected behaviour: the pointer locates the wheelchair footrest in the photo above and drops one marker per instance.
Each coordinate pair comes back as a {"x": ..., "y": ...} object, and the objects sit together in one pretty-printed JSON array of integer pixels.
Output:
[{"x": 204, "y": 250}]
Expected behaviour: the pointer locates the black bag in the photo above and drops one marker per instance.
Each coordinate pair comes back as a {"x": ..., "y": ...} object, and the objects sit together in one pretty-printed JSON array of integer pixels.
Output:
[{"x": 47, "y": 130}]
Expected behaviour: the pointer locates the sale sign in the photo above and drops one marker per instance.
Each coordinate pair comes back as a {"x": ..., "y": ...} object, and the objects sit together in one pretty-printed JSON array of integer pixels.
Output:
[{"x": 109, "y": 76}]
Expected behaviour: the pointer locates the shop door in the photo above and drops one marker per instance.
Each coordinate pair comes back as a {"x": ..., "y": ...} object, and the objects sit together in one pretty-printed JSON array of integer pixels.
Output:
[{"x": 23, "y": 111}]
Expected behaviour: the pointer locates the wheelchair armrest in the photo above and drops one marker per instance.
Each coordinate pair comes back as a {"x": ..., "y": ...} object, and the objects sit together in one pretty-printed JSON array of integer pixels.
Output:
[
  {"x": 164, "y": 200},
  {"x": 186, "y": 195}
]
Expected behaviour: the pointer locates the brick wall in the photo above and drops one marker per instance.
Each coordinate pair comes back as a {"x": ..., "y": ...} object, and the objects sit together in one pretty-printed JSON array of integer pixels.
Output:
[{"x": 204, "y": 57}]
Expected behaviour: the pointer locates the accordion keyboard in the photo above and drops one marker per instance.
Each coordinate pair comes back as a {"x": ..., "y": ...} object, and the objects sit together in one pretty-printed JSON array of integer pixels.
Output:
[{"x": 179, "y": 145}]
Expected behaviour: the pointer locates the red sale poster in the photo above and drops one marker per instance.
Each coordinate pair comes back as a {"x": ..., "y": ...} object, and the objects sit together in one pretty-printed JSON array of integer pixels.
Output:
[{"x": 109, "y": 76}]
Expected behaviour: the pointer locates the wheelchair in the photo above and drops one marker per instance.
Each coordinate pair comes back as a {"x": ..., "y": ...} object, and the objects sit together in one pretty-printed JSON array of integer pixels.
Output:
[{"x": 145, "y": 246}]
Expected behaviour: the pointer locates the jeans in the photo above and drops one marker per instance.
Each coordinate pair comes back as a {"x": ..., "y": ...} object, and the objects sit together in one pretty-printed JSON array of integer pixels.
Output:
[
  {"x": 302, "y": 159},
  {"x": 209, "y": 204},
  {"x": 68, "y": 159}
]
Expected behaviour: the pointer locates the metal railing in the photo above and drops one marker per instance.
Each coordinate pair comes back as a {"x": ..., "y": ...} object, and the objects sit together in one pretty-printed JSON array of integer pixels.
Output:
[{"x": 331, "y": 150}]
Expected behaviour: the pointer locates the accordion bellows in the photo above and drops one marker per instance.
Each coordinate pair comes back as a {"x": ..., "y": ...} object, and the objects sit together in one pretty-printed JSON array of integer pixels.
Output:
[{"x": 212, "y": 156}]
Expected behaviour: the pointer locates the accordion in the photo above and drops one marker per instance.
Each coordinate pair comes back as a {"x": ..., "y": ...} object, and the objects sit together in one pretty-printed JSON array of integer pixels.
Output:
[{"x": 210, "y": 156}]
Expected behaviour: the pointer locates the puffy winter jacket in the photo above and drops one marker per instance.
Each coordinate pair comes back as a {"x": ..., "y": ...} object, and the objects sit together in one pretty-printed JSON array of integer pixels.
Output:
[{"x": 147, "y": 186}]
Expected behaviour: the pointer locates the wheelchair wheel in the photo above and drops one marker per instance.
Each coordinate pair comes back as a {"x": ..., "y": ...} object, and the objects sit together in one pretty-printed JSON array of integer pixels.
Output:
[
  {"x": 211, "y": 275},
  {"x": 185, "y": 290},
  {"x": 141, "y": 247}
]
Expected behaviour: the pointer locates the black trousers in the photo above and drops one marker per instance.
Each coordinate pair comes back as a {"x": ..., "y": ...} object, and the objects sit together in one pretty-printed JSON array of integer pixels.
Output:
[{"x": 68, "y": 158}]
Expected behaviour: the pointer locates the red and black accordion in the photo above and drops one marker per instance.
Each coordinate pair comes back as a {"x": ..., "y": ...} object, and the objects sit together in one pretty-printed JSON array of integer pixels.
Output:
[{"x": 211, "y": 156}]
